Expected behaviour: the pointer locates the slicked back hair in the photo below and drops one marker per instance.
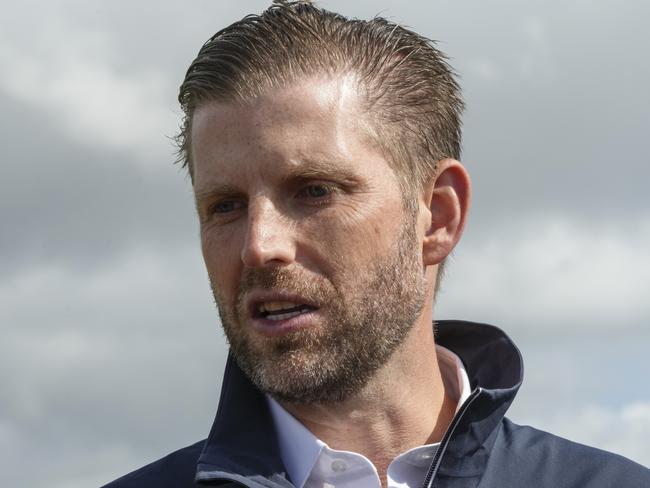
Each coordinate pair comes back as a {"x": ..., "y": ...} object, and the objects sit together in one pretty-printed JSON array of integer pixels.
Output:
[{"x": 408, "y": 90}]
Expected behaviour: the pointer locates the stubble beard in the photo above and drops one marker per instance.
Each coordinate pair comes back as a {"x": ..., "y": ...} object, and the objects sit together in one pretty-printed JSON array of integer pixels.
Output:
[{"x": 367, "y": 320}]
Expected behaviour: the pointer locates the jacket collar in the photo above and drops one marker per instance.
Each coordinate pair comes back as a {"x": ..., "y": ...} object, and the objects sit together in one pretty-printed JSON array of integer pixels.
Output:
[
  {"x": 495, "y": 369},
  {"x": 242, "y": 444}
]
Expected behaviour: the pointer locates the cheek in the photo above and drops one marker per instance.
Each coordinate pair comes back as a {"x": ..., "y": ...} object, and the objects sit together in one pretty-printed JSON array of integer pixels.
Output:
[
  {"x": 221, "y": 259},
  {"x": 354, "y": 242}
]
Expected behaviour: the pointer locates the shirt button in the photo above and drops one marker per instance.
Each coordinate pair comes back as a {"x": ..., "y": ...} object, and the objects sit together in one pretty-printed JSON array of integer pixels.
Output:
[{"x": 339, "y": 466}]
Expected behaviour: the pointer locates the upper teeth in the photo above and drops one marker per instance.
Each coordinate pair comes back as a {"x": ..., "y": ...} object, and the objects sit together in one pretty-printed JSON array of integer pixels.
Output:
[{"x": 275, "y": 306}]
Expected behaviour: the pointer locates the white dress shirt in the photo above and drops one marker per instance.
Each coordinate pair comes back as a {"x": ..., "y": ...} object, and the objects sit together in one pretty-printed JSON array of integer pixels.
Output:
[{"x": 311, "y": 463}]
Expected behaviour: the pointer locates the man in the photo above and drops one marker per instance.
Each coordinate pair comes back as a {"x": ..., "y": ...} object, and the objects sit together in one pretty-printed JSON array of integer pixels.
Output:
[{"x": 324, "y": 155}]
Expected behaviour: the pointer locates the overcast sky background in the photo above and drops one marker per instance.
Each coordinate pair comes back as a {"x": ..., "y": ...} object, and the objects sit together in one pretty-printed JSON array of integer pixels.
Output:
[{"x": 110, "y": 352}]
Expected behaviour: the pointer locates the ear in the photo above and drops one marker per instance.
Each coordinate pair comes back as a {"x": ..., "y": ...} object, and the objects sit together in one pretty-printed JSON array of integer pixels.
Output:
[{"x": 447, "y": 196}]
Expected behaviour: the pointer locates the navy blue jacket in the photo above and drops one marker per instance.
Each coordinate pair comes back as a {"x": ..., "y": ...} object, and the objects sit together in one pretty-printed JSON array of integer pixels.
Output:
[{"x": 481, "y": 449}]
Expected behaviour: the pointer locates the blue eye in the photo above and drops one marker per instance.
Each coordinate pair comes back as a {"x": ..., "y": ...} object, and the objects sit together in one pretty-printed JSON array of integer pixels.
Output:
[
  {"x": 226, "y": 206},
  {"x": 317, "y": 191}
]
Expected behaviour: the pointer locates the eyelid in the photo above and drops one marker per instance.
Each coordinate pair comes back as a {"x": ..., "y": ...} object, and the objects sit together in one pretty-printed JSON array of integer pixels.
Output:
[
  {"x": 329, "y": 186},
  {"x": 238, "y": 204},
  {"x": 211, "y": 209}
]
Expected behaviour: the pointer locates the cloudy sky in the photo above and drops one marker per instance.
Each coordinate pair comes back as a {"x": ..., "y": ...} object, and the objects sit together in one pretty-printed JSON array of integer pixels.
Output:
[{"x": 110, "y": 352}]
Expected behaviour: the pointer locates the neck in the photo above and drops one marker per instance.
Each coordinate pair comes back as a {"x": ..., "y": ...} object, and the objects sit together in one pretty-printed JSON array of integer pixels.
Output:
[{"x": 405, "y": 405}]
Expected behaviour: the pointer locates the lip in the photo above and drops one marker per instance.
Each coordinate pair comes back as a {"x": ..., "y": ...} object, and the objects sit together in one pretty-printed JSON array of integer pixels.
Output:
[{"x": 272, "y": 328}]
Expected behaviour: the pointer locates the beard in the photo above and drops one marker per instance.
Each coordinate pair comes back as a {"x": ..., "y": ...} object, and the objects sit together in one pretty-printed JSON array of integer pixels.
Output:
[{"x": 366, "y": 316}]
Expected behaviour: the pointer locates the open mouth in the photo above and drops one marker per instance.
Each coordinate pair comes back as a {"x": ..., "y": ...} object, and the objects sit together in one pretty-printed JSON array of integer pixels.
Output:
[{"x": 282, "y": 310}]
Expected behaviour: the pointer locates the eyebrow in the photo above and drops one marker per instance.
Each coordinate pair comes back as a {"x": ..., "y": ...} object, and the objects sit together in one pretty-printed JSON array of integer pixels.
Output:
[
  {"x": 215, "y": 192},
  {"x": 308, "y": 169},
  {"x": 318, "y": 168}
]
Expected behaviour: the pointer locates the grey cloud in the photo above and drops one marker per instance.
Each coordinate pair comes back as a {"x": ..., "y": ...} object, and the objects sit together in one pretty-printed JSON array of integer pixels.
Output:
[
  {"x": 78, "y": 206},
  {"x": 557, "y": 103},
  {"x": 107, "y": 368},
  {"x": 549, "y": 274}
]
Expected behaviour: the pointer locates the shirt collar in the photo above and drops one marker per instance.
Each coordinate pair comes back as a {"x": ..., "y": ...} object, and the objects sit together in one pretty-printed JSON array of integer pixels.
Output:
[
  {"x": 300, "y": 449},
  {"x": 454, "y": 376}
]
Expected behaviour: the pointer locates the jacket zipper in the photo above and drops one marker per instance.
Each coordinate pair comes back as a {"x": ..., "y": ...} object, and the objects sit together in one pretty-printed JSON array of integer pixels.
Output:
[
  {"x": 222, "y": 478},
  {"x": 437, "y": 458}
]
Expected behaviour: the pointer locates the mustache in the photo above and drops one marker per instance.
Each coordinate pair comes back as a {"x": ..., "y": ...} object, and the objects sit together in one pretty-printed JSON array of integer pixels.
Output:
[
  {"x": 307, "y": 285},
  {"x": 267, "y": 278}
]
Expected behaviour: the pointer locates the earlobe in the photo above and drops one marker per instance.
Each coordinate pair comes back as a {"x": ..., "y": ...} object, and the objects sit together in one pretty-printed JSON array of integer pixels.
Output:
[{"x": 447, "y": 196}]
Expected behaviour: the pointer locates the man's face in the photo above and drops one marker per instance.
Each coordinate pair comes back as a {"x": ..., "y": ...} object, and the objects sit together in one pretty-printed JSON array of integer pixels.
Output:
[{"x": 314, "y": 262}]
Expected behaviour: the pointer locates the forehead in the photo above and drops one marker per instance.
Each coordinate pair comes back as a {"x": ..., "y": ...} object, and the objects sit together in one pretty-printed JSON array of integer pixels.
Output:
[{"x": 313, "y": 119}]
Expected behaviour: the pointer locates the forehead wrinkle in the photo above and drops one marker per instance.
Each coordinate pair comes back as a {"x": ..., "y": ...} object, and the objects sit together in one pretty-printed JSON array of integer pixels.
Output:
[{"x": 338, "y": 103}]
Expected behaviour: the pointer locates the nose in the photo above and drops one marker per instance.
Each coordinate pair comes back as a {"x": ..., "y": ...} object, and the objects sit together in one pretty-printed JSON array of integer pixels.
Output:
[{"x": 269, "y": 239}]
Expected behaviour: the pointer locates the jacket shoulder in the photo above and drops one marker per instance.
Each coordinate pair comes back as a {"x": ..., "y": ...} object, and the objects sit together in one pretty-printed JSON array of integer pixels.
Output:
[
  {"x": 175, "y": 470},
  {"x": 541, "y": 459}
]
